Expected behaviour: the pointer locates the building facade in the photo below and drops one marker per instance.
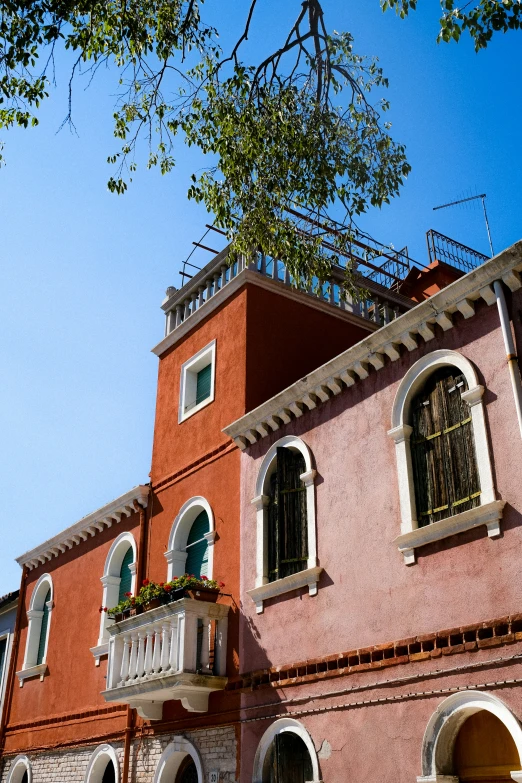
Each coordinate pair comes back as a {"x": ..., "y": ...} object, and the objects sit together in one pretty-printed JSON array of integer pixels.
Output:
[{"x": 362, "y": 513}]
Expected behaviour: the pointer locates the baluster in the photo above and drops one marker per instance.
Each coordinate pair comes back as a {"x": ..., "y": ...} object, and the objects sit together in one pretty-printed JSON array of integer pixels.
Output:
[
  {"x": 209, "y": 288},
  {"x": 186, "y": 312},
  {"x": 133, "y": 657},
  {"x": 205, "y": 644},
  {"x": 364, "y": 309},
  {"x": 396, "y": 312},
  {"x": 180, "y": 644},
  {"x": 178, "y": 315},
  {"x": 201, "y": 290},
  {"x": 173, "y": 657},
  {"x": 262, "y": 268},
  {"x": 216, "y": 282},
  {"x": 287, "y": 276},
  {"x": 140, "y": 666},
  {"x": 386, "y": 309},
  {"x": 148, "y": 651},
  {"x": 124, "y": 671},
  {"x": 224, "y": 275},
  {"x": 171, "y": 321},
  {"x": 165, "y": 635},
  {"x": 376, "y": 311},
  {"x": 221, "y": 647},
  {"x": 275, "y": 269},
  {"x": 156, "y": 661},
  {"x": 332, "y": 292},
  {"x": 193, "y": 297}
]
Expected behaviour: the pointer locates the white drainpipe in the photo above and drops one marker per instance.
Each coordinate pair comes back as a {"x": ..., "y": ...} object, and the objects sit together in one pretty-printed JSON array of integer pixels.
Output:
[{"x": 509, "y": 344}]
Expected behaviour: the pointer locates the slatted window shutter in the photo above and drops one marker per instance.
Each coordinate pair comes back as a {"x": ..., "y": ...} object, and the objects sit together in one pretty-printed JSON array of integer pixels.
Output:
[
  {"x": 43, "y": 630},
  {"x": 3, "y": 651},
  {"x": 203, "y": 384},
  {"x": 197, "y": 546},
  {"x": 444, "y": 463},
  {"x": 289, "y": 760},
  {"x": 287, "y": 518},
  {"x": 125, "y": 574}
]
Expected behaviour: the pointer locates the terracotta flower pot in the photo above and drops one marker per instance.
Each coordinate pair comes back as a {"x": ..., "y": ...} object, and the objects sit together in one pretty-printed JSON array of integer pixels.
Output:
[
  {"x": 134, "y": 610},
  {"x": 203, "y": 593},
  {"x": 152, "y": 604}
]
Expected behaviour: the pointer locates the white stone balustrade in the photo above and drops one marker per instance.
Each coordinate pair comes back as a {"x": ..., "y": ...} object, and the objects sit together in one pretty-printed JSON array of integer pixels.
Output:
[{"x": 176, "y": 651}]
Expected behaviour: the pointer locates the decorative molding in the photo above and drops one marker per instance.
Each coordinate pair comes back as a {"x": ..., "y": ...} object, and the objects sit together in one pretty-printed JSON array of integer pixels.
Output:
[
  {"x": 307, "y": 578},
  {"x": 32, "y": 671},
  {"x": 88, "y": 526},
  {"x": 100, "y": 651},
  {"x": 350, "y": 366}
]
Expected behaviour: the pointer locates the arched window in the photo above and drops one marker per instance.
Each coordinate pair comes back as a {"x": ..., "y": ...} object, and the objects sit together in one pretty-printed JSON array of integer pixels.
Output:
[
  {"x": 445, "y": 473},
  {"x": 119, "y": 577},
  {"x": 191, "y": 541},
  {"x": 442, "y": 452},
  {"x": 21, "y": 771},
  {"x": 39, "y": 626},
  {"x": 286, "y": 754},
  {"x": 103, "y": 766},
  {"x": 286, "y": 536}
]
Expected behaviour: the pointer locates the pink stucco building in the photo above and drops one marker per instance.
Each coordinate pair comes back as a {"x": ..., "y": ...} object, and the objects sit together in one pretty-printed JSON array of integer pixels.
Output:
[{"x": 387, "y": 644}]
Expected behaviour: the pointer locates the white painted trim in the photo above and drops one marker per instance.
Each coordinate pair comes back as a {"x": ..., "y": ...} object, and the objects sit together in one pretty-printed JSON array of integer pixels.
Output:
[
  {"x": 171, "y": 759},
  {"x": 189, "y": 370},
  {"x": 281, "y": 726},
  {"x": 34, "y": 615},
  {"x": 111, "y": 582},
  {"x": 89, "y": 526},
  {"x": 260, "y": 501},
  {"x": 443, "y": 727},
  {"x": 176, "y": 554},
  {"x": 98, "y": 764},
  {"x": 20, "y": 765},
  {"x": 308, "y": 578},
  {"x": 401, "y": 431},
  {"x": 8, "y": 635},
  {"x": 438, "y": 309},
  {"x": 38, "y": 670}
]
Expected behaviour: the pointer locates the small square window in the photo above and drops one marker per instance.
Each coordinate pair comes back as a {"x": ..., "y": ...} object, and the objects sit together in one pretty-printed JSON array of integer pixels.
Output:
[{"x": 197, "y": 382}]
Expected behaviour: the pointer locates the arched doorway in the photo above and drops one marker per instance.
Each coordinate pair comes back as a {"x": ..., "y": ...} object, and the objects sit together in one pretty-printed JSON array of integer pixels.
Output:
[
  {"x": 484, "y": 751},
  {"x": 103, "y": 766},
  {"x": 179, "y": 763},
  {"x": 109, "y": 775},
  {"x": 187, "y": 772},
  {"x": 287, "y": 760}
]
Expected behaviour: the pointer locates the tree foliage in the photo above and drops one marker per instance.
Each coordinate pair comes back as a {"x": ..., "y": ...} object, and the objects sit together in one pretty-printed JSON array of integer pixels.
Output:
[{"x": 296, "y": 130}]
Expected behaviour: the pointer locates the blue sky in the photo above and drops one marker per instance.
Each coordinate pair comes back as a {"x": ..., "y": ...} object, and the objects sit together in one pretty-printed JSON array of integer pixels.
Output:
[{"x": 84, "y": 271}]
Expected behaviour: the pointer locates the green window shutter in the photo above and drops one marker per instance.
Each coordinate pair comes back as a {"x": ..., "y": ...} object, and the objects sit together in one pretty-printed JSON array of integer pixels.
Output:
[
  {"x": 197, "y": 546},
  {"x": 3, "y": 651},
  {"x": 203, "y": 384},
  {"x": 287, "y": 517},
  {"x": 125, "y": 574},
  {"x": 43, "y": 630}
]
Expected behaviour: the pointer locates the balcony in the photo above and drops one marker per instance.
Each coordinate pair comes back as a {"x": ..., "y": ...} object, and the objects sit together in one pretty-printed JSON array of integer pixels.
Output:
[{"x": 177, "y": 651}]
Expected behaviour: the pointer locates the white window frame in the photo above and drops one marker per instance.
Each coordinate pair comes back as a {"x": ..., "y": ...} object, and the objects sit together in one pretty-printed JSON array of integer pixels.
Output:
[
  {"x": 19, "y": 767},
  {"x": 98, "y": 764},
  {"x": 172, "y": 758},
  {"x": 443, "y": 727},
  {"x": 34, "y": 615},
  {"x": 309, "y": 577},
  {"x": 284, "y": 726},
  {"x": 176, "y": 553},
  {"x": 111, "y": 587},
  {"x": 8, "y": 636},
  {"x": 489, "y": 512},
  {"x": 188, "y": 380}
]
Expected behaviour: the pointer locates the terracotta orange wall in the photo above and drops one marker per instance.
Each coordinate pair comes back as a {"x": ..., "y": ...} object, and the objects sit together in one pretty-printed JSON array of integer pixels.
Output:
[
  {"x": 73, "y": 684},
  {"x": 286, "y": 339}
]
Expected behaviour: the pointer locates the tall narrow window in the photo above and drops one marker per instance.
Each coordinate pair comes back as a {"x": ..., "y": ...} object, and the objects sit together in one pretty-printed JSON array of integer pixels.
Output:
[
  {"x": 42, "y": 643},
  {"x": 287, "y": 520},
  {"x": 444, "y": 464},
  {"x": 197, "y": 546},
  {"x": 125, "y": 574},
  {"x": 288, "y": 760},
  {"x": 3, "y": 653}
]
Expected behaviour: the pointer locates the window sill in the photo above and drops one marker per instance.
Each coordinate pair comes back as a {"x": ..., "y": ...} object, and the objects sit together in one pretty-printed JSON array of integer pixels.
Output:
[
  {"x": 33, "y": 671},
  {"x": 99, "y": 652},
  {"x": 307, "y": 578},
  {"x": 195, "y": 409},
  {"x": 489, "y": 514}
]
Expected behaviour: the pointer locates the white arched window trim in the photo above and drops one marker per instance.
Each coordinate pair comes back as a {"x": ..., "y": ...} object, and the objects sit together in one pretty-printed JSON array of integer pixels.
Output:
[
  {"x": 98, "y": 764},
  {"x": 111, "y": 587},
  {"x": 310, "y": 576},
  {"x": 489, "y": 512},
  {"x": 19, "y": 767},
  {"x": 172, "y": 757},
  {"x": 280, "y": 727},
  {"x": 444, "y": 725},
  {"x": 34, "y": 615},
  {"x": 176, "y": 553}
]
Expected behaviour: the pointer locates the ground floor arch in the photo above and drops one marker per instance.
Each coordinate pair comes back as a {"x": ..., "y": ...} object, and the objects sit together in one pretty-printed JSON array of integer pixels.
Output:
[
  {"x": 21, "y": 771},
  {"x": 286, "y": 754},
  {"x": 103, "y": 766},
  {"x": 472, "y": 737},
  {"x": 180, "y": 762}
]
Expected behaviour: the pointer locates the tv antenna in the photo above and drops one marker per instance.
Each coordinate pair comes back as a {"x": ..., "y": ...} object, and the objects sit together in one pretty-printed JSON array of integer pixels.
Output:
[{"x": 482, "y": 197}]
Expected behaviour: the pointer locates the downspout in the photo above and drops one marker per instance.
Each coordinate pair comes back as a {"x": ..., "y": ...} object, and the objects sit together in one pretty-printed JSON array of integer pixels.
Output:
[
  {"x": 9, "y": 686},
  {"x": 140, "y": 575},
  {"x": 511, "y": 354}
]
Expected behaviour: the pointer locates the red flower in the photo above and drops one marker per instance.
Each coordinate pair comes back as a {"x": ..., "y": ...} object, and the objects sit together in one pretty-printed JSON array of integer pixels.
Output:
[
  {"x": 128, "y": 595},
  {"x": 162, "y": 584},
  {"x": 105, "y": 609},
  {"x": 100, "y": 609},
  {"x": 168, "y": 588},
  {"x": 221, "y": 584},
  {"x": 205, "y": 578},
  {"x": 133, "y": 601},
  {"x": 145, "y": 582}
]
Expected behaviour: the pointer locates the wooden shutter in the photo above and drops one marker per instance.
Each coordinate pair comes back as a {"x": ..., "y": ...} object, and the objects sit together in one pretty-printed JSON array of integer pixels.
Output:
[
  {"x": 289, "y": 760},
  {"x": 444, "y": 464},
  {"x": 43, "y": 630},
  {"x": 287, "y": 518},
  {"x": 197, "y": 546},
  {"x": 203, "y": 383},
  {"x": 125, "y": 574},
  {"x": 3, "y": 652}
]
